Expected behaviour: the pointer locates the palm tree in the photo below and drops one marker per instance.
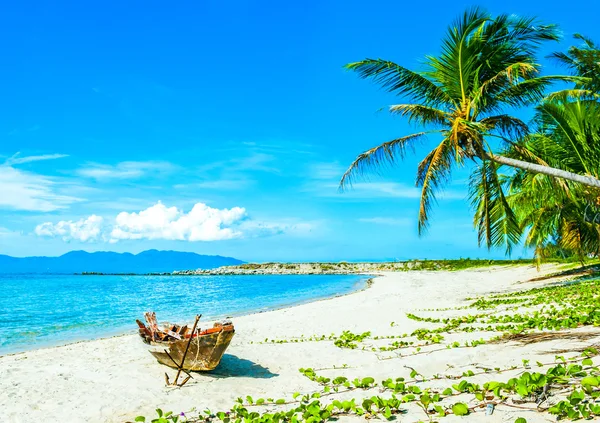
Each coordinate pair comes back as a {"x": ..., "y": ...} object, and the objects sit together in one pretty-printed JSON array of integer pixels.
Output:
[
  {"x": 582, "y": 61},
  {"x": 486, "y": 66},
  {"x": 549, "y": 209}
]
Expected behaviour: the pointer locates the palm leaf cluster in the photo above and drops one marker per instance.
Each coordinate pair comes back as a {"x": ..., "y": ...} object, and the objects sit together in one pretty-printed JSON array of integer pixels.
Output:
[
  {"x": 583, "y": 61},
  {"x": 553, "y": 212}
]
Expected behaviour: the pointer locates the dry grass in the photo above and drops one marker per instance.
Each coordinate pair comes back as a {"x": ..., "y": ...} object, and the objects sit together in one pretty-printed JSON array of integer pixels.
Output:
[
  {"x": 577, "y": 272},
  {"x": 535, "y": 337},
  {"x": 576, "y": 350}
]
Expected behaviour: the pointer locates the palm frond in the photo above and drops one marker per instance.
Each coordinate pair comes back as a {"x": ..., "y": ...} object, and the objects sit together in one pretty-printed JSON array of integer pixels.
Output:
[
  {"x": 494, "y": 218},
  {"x": 587, "y": 41},
  {"x": 572, "y": 123},
  {"x": 422, "y": 115},
  {"x": 575, "y": 94},
  {"x": 530, "y": 91},
  {"x": 506, "y": 125},
  {"x": 563, "y": 59},
  {"x": 400, "y": 80},
  {"x": 582, "y": 61},
  {"x": 484, "y": 97},
  {"x": 433, "y": 172},
  {"x": 386, "y": 153}
]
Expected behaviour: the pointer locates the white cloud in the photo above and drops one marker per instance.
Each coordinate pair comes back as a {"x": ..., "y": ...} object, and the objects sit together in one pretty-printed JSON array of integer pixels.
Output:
[
  {"x": 15, "y": 160},
  {"x": 386, "y": 221},
  {"x": 202, "y": 223},
  {"x": 23, "y": 190},
  {"x": 82, "y": 230},
  {"x": 123, "y": 170}
]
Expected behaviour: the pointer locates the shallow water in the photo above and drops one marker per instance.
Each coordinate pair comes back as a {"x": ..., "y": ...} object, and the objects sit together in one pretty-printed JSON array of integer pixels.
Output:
[{"x": 44, "y": 310}]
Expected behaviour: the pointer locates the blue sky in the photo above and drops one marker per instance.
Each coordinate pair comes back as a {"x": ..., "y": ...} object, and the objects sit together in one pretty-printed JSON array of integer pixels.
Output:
[{"x": 221, "y": 128}]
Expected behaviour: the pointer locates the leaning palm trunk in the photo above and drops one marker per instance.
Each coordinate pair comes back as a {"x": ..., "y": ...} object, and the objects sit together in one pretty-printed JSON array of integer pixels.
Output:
[{"x": 586, "y": 180}]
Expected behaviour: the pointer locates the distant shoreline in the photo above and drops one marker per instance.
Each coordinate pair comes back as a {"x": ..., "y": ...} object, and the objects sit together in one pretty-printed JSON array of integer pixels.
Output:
[{"x": 327, "y": 268}]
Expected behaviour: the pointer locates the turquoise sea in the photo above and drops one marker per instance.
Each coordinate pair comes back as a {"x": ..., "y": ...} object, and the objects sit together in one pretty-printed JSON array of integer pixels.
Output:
[{"x": 45, "y": 310}]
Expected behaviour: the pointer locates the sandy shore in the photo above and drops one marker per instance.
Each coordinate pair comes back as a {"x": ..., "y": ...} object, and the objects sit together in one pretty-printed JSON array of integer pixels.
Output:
[{"x": 116, "y": 379}]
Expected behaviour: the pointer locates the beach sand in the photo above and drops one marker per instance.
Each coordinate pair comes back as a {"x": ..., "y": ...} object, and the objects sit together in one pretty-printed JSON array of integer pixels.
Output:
[{"x": 116, "y": 379}]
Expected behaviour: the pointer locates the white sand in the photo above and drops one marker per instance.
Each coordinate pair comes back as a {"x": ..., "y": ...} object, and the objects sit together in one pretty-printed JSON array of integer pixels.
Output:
[{"x": 116, "y": 379}]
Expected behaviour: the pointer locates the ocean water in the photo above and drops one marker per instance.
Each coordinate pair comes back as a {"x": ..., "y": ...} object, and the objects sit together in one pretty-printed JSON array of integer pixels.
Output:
[{"x": 45, "y": 310}]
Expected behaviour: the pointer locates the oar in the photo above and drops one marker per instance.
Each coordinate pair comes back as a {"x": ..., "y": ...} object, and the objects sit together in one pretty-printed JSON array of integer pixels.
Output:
[
  {"x": 187, "y": 347},
  {"x": 176, "y": 365}
]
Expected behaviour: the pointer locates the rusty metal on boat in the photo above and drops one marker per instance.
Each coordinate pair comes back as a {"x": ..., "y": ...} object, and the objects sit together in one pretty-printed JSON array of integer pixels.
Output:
[{"x": 178, "y": 346}]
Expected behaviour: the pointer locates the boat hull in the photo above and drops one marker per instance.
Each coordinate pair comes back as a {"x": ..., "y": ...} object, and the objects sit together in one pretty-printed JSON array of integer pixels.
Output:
[{"x": 205, "y": 351}]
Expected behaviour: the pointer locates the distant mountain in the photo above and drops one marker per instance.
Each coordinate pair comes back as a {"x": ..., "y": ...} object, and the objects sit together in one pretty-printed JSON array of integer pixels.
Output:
[{"x": 151, "y": 261}]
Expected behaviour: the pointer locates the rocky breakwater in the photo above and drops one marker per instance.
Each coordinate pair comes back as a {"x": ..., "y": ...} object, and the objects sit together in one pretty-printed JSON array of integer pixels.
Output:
[
  {"x": 345, "y": 268},
  {"x": 342, "y": 268}
]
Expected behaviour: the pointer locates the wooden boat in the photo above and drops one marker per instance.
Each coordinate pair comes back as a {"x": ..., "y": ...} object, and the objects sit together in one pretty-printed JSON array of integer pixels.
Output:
[{"x": 170, "y": 344}]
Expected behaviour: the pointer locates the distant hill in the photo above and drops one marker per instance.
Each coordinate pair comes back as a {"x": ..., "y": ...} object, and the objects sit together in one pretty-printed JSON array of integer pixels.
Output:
[{"x": 151, "y": 261}]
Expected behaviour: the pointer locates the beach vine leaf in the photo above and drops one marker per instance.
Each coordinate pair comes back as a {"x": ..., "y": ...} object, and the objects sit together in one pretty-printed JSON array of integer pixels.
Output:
[{"x": 460, "y": 409}]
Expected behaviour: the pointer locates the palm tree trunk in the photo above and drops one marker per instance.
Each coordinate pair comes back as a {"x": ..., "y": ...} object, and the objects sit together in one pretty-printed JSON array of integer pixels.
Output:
[{"x": 589, "y": 181}]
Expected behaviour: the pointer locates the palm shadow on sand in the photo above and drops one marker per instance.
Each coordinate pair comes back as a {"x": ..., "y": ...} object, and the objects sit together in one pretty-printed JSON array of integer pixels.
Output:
[{"x": 233, "y": 366}]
